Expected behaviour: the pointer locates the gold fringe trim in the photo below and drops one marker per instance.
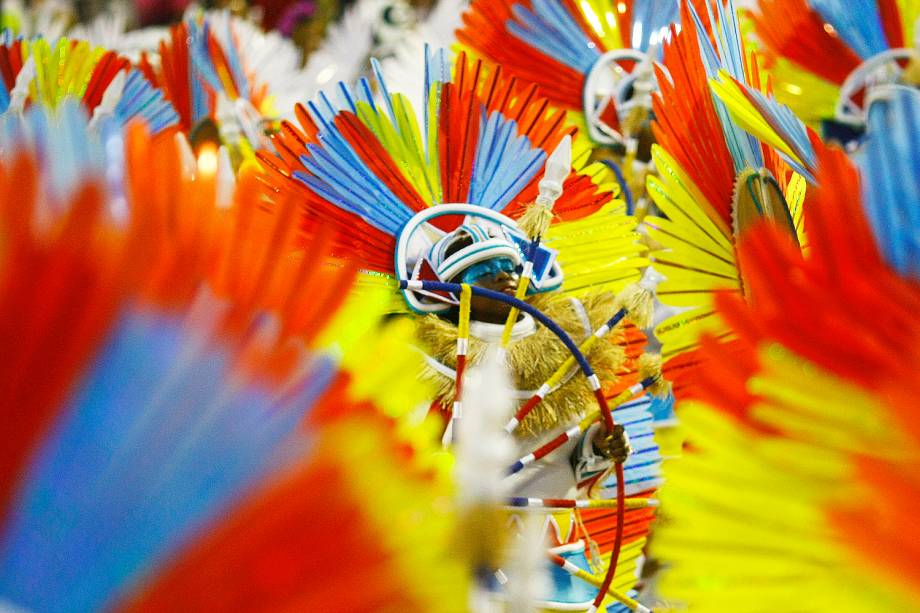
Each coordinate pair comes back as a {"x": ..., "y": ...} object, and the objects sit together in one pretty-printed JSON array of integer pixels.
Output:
[{"x": 534, "y": 358}]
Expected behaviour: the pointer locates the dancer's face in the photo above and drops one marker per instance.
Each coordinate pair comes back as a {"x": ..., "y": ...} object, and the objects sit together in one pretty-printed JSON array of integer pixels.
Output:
[
  {"x": 498, "y": 275},
  {"x": 493, "y": 311}
]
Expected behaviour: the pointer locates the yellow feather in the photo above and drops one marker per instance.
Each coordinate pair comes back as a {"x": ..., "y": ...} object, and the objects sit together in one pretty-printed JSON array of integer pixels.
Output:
[
  {"x": 747, "y": 515},
  {"x": 598, "y": 252},
  {"x": 808, "y": 95},
  {"x": 795, "y": 197},
  {"x": 746, "y": 115},
  {"x": 601, "y": 17},
  {"x": 909, "y": 11},
  {"x": 676, "y": 185}
]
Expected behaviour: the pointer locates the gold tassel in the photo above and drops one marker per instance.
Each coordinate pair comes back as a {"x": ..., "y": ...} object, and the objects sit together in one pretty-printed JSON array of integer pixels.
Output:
[
  {"x": 638, "y": 301},
  {"x": 536, "y": 220},
  {"x": 650, "y": 366}
]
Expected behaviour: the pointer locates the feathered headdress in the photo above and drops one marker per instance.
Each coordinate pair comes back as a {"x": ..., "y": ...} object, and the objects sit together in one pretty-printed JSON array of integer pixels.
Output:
[
  {"x": 224, "y": 74},
  {"x": 827, "y": 56},
  {"x": 405, "y": 188},
  {"x": 177, "y": 430},
  {"x": 805, "y": 438},
  {"x": 589, "y": 58}
]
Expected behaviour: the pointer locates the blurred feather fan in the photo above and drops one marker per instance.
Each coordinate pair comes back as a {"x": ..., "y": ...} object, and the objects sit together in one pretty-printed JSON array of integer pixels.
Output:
[
  {"x": 159, "y": 378},
  {"x": 805, "y": 443}
]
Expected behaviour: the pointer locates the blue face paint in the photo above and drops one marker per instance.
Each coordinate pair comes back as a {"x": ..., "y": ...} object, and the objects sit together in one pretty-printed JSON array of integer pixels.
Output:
[{"x": 488, "y": 267}]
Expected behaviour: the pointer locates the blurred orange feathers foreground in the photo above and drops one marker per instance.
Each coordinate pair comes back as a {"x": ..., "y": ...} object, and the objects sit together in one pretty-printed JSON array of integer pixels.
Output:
[
  {"x": 159, "y": 373},
  {"x": 411, "y": 349}
]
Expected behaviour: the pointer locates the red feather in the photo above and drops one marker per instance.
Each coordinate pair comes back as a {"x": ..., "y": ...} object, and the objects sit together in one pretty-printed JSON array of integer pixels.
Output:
[
  {"x": 58, "y": 296},
  {"x": 108, "y": 66},
  {"x": 484, "y": 30},
  {"x": 458, "y": 132},
  {"x": 801, "y": 36},
  {"x": 890, "y": 16},
  {"x": 174, "y": 78},
  {"x": 686, "y": 124}
]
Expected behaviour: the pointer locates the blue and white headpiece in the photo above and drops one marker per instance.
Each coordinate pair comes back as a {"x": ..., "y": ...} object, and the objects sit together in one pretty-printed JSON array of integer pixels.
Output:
[{"x": 423, "y": 251}]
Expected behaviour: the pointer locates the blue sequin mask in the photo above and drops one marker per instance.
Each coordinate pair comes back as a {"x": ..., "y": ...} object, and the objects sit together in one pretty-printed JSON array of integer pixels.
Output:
[{"x": 489, "y": 267}]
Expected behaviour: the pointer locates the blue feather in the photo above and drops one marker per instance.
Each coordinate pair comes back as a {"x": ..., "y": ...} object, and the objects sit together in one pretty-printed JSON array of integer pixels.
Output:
[
  {"x": 857, "y": 22},
  {"x": 158, "y": 440},
  {"x": 552, "y": 29},
  {"x": 890, "y": 164},
  {"x": 501, "y": 173},
  {"x": 5, "y": 90},
  {"x": 385, "y": 93},
  {"x": 236, "y": 63},
  {"x": 743, "y": 147},
  {"x": 141, "y": 99},
  {"x": 651, "y": 23}
]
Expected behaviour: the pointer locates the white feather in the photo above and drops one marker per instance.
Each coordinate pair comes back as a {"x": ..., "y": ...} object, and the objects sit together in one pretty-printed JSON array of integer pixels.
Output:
[
  {"x": 528, "y": 579},
  {"x": 484, "y": 450},
  {"x": 48, "y": 18},
  {"x": 271, "y": 58},
  {"x": 404, "y": 70},
  {"x": 20, "y": 92},
  {"x": 344, "y": 52},
  {"x": 110, "y": 98},
  {"x": 112, "y": 29}
]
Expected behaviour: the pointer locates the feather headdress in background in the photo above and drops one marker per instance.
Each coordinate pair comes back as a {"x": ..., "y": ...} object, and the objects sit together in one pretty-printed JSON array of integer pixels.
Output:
[
  {"x": 588, "y": 58},
  {"x": 715, "y": 178},
  {"x": 804, "y": 438},
  {"x": 39, "y": 72},
  {"x": 827, "y": 55}
]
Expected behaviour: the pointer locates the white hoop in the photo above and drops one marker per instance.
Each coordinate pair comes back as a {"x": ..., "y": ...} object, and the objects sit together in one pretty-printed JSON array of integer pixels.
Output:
[
  {"x": 879, "y": 70},
  {"x": 641, "y": 79}
]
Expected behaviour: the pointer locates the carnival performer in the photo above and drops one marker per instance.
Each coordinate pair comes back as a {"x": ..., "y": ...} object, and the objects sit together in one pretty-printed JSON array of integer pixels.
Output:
[
  {"x": 478, "y": 253},
  {"x": 465, "y": 211}
]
